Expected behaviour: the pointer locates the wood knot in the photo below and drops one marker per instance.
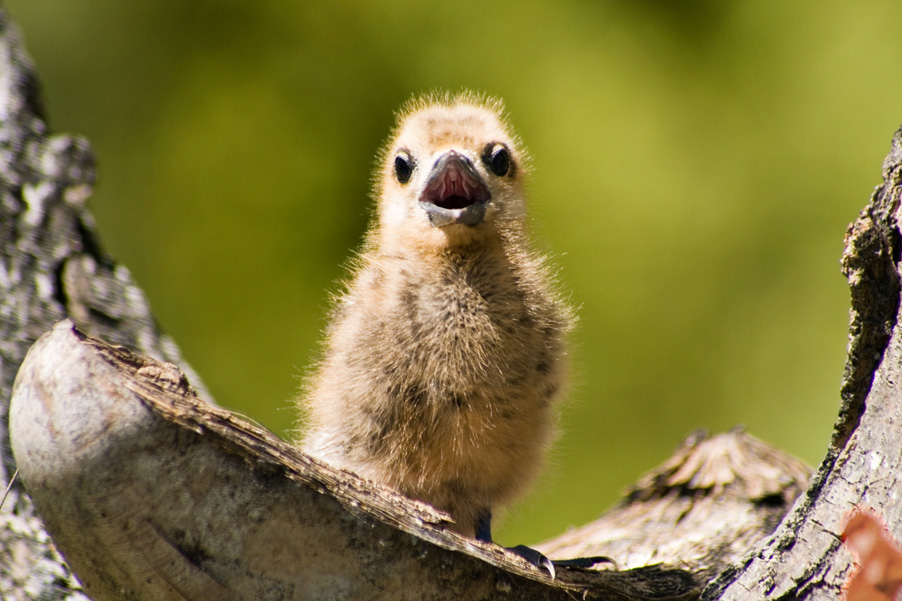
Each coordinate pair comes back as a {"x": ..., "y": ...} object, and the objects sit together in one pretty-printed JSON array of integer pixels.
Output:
[
  {"x": 733, "y": 463},
  {"x": 166, "y": 376}
]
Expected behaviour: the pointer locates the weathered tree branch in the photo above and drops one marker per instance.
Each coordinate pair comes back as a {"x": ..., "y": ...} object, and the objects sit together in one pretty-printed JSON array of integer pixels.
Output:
[
  {"x": 154, "y": 494},
  {"x": 149, "y": 490}
]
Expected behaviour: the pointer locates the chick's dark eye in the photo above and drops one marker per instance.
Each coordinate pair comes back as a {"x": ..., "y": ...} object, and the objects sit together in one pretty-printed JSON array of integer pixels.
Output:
[
  {"x": 403, "y": 168},
  {"x": 497, "y": 158}
]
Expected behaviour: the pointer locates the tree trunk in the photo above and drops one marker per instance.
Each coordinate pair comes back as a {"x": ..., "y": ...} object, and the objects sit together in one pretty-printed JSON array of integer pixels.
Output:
[
  {"x": 804, "y": 558},
  {"x": 153, "y": 493},
  {"x": 51, "y": 267}
]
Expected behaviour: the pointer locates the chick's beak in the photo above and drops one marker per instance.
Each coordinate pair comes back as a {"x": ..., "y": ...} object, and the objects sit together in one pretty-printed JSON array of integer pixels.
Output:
[{"x": 454, "y": 192}]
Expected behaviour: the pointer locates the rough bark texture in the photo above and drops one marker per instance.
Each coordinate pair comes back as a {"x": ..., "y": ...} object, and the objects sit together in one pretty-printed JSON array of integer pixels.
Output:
[
  {"x": 154, "y": 494},
  {"x": 805, "y": 558},
  {"x": 51, "y": 267}
]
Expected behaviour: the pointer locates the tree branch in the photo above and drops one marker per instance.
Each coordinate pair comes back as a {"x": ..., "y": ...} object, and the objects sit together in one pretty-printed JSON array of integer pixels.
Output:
[{"x": 148, "y": 489}]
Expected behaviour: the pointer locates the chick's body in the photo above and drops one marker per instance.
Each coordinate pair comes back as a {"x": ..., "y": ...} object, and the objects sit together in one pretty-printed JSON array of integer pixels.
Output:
[{"x": 446, "y": 353}]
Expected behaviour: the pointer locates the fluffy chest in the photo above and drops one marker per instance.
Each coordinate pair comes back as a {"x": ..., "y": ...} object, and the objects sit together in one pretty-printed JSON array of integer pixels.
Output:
[{"x": 462, "y": 324}]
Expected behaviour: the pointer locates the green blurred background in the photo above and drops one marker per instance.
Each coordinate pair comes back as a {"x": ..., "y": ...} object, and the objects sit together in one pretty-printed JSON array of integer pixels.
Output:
[{"x": 696, "y": 165}]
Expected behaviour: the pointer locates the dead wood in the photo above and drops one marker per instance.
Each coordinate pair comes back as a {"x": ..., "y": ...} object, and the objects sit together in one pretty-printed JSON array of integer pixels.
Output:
[{"x": 149, "y": 490}]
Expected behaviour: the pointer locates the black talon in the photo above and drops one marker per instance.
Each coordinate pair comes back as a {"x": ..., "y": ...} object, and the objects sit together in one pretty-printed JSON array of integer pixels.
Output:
[
  {"x": 483, "y": 527},
  {"x": 583, "y": 562},
  {"x": 535, "y": 558}
]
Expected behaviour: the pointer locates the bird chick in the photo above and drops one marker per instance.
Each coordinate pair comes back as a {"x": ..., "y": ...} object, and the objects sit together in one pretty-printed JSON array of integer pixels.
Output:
[{"x": 446, "y": 352}]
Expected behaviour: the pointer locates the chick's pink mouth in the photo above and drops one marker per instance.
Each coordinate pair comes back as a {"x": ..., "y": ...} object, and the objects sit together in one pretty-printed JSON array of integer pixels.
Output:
[{"x": 456, "y": 185}]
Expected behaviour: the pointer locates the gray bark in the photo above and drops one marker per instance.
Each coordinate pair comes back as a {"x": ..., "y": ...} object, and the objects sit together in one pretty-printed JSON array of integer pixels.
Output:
[
  {"x": 51, "y": 267},
  {"x": 152, "y": 493},
  {"x": 804, "y": 558}
]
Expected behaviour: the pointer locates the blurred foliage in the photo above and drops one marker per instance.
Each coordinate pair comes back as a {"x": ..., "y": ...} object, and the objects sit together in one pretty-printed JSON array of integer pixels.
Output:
[{"x": 696, "y": 165}]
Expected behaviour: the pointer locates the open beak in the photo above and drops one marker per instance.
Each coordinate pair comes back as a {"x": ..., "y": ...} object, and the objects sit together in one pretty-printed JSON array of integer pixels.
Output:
[{"x": 454, "y": 192}]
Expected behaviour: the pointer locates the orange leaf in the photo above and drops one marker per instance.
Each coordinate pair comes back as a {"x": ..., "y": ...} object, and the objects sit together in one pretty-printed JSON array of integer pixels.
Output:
[{"x": 879, "y": 575}]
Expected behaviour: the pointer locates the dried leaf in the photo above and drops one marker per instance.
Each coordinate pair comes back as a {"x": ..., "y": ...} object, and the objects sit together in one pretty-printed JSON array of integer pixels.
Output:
[{"x": 879, "y": 575}]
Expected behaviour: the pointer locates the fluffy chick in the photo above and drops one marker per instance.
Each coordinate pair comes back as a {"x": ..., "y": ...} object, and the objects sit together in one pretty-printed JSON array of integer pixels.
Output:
[{"x": 446, "y": 352}]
